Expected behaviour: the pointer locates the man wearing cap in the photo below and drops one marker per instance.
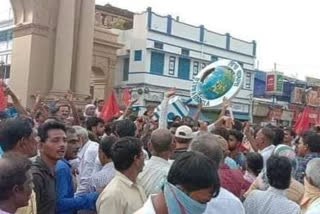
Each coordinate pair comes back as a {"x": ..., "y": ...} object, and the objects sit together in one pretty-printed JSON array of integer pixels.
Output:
[{"x": 182, "y": 139}]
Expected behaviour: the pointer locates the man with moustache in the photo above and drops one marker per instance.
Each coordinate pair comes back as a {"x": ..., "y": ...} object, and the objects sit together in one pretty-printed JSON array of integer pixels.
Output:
[
  {"x": 52, "y": 148},
  {"x": 67, "y": 203}
]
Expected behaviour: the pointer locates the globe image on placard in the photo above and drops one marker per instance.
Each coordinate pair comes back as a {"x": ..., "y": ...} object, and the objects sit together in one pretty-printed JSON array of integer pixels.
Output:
[{"x": 216, "y": 82}]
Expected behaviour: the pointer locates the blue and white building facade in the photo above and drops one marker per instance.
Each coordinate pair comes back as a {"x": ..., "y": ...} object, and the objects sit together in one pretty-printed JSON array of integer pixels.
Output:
[
  {"x": 6, "y": 29},
  {"x": 161, "y": 52}
]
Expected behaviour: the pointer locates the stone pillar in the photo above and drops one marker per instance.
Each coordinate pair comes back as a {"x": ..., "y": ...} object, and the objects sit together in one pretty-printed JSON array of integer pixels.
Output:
[
  {"x": 85, "y": 48},
  {"x": 64, "y": 47},
  {"x": 30, "y": 58}
]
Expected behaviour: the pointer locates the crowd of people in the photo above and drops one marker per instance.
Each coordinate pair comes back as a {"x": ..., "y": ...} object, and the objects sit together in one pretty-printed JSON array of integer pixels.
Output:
[{"x": 57, "y": 158}]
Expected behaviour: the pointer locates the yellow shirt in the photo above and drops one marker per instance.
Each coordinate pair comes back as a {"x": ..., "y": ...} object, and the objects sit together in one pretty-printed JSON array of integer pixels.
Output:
[
  {"x": 31, "y": 208},
  {"x": 121, "y": 196}
]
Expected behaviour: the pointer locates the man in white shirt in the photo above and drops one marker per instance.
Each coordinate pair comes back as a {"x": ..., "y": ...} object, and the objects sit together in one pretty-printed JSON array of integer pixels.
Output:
[
  {"x": 310, "y": 203},
  {"x": 264, "y": 143},
  {"x": 225, "y": 202},
  {"x": 86, "y": 158},
  {"x": 155, "y": 172},
  {"x": 274, "y": 199}
]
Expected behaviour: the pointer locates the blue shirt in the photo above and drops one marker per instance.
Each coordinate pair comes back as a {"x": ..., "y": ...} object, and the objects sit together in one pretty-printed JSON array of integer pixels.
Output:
[
  {"x": 67, "y": 203},
  {"x": 1, "y": 152}
]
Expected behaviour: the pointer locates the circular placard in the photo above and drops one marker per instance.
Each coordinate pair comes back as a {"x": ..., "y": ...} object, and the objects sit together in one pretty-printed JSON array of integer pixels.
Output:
[{"x": 220, "y": 79}]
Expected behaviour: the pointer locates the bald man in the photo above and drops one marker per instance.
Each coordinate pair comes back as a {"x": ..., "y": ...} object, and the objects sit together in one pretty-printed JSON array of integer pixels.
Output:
[{"x": 156, "y": 169}]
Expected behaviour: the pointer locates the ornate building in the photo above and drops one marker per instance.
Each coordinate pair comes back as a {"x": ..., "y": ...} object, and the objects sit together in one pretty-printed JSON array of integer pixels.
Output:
[{"x": 63, "y": 45}]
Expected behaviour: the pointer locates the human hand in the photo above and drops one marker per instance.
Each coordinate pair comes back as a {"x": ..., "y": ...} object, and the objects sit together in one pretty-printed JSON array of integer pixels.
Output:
[
  {"x": 69, "y": 96},
  {"x": 133, "y": 101},
  {"x": 170, "y": 93}
]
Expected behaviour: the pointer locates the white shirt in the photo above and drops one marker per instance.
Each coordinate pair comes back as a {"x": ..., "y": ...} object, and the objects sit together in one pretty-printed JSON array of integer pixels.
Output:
[
  {"x": 154, "y": 174},
  {"x": 102, "y": 178},
  {"x": 266, "y": 153},
  {"x": 87, "y": 157},
  {"x": 314, "y": 208},
  {"x": 271, "y": 201},
  {"x": 147, "y": 208},
  {"x": 225, "y": 203}
]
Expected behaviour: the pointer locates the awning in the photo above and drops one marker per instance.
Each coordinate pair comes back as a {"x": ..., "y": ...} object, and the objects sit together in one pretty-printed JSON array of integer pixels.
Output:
[{"x": 241, "y": 116}]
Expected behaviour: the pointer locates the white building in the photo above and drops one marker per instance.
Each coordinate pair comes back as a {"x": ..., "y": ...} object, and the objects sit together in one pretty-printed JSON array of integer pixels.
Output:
[
  {"x": 161, "y": 52},
  {"x": 6, "y": 26}
]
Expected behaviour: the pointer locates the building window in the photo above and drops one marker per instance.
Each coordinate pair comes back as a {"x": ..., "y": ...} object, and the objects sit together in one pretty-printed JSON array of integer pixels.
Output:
[
  {"x": 157, "y": 63},
  {"x": 195, "y": 68},
  {"x": 138, "y": 55},
  {"x": 247, "y": 80},
  {"x": 185, "y": 52},
  {"x": 126, "y": 62},
  {"x": 172, "y": 65},
  {"x": 214, "y": 58},
  {"x": 203, "y": 65},
  {"x": 158, "y": 45}
]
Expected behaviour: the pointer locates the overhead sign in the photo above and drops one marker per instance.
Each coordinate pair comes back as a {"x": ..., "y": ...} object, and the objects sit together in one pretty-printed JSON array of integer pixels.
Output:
[
  {"x": 274, "y": 84},
  {"x": 220, "y": 79}
]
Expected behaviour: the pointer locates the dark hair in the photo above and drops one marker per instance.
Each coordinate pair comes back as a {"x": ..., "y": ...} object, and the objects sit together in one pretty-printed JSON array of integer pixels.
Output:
[
  {"x": 223, "y": 132},
  {"x": 254, "y": 162},
  {"x": 269, "y": 134},
  {"x": 124, "y": 151},
  {"x": 13, "y": 130},
  {"x": 237, "y": 134},
  {"x": 63, "y": 105},
  {"x": 93, "y": 122},
  {"x": 279, "y": 172},
  {"x": 312, "y": 140},
  {"x": 106, "y": 145},
  {"x": 194, "y": 171},
  {"x": 46, "y": 127},
  {"x": 161, "y": 140},
  {"x": 237, "y": 125},
  {"x": 187, "y": 121},
  {"x": 13, "y": 169},
  {"x": 292, "y": 132},
  {"x": 278, "y": 137},
  {"x": 125, "y": 128}
]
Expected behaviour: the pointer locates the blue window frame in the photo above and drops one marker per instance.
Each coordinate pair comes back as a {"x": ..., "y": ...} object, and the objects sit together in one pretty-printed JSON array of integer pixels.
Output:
[
  {"x": 185, "y": 52},
  {"x": 214, "y": 58},
  {"x": 158, "y": 45},
  {"x": 195, "y": 68},
  {"x": 157, "y": 63},
  {"x": 126, "y": 62},
  {"x": 184, "y": 68},
  {"x": 138, "y": 55},
  {"x": 172, "y": 65}
]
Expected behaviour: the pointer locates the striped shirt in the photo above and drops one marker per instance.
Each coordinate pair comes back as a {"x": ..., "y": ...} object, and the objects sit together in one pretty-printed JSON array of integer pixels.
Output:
[{"x": 102, "y": 178}]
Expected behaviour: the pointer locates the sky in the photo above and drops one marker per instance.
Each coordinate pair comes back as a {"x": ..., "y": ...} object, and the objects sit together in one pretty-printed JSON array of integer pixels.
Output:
[{"x": 287, "y": 32}]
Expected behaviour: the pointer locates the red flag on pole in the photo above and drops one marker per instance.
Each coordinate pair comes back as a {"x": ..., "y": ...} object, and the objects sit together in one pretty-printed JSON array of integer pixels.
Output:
[
  {"x": 3, "y": 98},
  {"x": 110, "y": 107},
  {"x": 303, "y": 121},
  {"x": 126, "y": 96}
]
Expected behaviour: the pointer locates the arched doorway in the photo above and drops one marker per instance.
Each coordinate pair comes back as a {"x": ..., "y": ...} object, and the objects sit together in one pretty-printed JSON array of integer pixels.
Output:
[{"x": 51, "y": 39}]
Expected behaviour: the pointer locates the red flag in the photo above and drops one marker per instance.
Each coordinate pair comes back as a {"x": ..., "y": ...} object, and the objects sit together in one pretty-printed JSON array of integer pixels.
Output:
[
  {"x": 110, "y": 107},
  {"x": 126, "y": 96},
  {"x": 3, "y": 98},
  {"x": 303, "y": 120}
]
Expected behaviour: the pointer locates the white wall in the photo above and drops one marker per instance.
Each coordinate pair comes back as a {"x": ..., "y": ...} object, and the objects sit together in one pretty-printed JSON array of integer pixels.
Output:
[
  {"x": 240, "y": 46},
  {"x": 215, "y": 39},
  {"x": 184, "y": 30},
  {"x": 159, "y": 23}
]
